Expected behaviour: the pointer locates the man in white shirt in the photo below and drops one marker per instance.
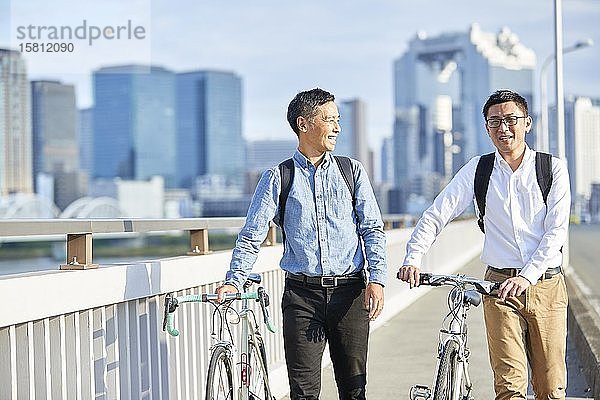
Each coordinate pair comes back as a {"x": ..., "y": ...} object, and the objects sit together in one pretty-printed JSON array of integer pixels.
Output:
[{"x": 527, "y": 322}]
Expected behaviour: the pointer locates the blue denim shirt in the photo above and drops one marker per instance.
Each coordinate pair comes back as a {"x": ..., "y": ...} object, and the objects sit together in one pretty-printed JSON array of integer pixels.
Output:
[{"x": 323, "y": 234}]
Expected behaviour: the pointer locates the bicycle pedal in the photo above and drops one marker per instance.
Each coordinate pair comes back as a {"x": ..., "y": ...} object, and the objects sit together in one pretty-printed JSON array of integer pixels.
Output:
[{"x": 419, "y": 392}]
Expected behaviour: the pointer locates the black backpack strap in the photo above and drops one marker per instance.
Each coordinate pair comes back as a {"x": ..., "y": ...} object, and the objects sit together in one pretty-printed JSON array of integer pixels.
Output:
[
  {"x": 286, "y": 171},
  {"x": 543, "y": 171},
  {"x": 345, "y": 165},
  {"x": 482, "y": 181}
]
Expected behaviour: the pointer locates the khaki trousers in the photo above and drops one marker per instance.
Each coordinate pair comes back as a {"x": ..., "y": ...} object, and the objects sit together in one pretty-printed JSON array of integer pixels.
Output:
[{"x": 531, "y": 328}]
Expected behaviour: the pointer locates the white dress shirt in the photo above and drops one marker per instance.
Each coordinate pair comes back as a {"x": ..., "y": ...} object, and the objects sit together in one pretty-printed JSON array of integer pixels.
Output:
[{"x": 520, "y": 230}]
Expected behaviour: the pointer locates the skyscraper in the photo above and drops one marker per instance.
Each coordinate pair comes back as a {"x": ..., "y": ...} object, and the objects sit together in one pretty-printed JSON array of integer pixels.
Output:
[
  {"x": 440, "y": 86},
  {"x": 266, "y": 153},
  {"x": 352, "y": 141},
  {"x": 134, "y": 123},
  {"x": 387, "y": 158},
  {"x": 86, "y": 144},
  {"x": 209, "y": 127},
  {"x": 15, "y": 125},
  {"x": 582, "y": 134},
  {"x": 55, "y": 142}
]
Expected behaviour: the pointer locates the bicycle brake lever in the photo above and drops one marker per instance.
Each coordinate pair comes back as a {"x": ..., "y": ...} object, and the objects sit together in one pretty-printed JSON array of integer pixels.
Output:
[
  {"x": 487, "y": 288},
  {"x": 170, "y": 307}
]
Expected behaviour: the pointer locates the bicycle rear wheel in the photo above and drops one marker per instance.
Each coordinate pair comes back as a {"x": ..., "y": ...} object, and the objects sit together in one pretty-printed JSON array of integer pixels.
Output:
[
  {"x": 449, "y": 383},
  {"x": 219, "y": 381},
  {"x": 258, "y": 380}
]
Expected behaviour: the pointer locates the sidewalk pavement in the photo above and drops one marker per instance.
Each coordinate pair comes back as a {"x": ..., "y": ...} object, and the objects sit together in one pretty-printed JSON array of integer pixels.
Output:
[{"x": 403, "y": 351}]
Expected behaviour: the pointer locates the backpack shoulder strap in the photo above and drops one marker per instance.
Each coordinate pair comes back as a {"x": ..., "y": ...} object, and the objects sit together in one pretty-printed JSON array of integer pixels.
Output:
[
  {"x": 286, "y": 170},
  {"x": 482, "y": 181},
  {"x": 543, "y": 172},
  {"x": 345, "y": 165}
]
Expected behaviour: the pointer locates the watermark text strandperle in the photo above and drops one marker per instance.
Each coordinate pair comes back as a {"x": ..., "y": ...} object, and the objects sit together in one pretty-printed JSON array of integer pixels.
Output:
[{"x": 82, "y": 32}]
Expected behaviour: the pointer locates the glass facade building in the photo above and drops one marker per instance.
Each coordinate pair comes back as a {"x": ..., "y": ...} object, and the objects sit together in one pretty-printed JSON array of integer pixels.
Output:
[
  {"x": 209, "y": 127},
  {"x": 134, "y": 123},
  {"x": 440, "y": 86},
  {"x": 352, "y": 141},
  {"x": 16, "y": 175},
  {"x": 55, "y": 143}
]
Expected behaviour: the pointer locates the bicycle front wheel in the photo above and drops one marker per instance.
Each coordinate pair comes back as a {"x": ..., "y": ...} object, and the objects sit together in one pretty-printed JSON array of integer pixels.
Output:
[
  {"x": 219, "y": 382},
  {"x": 258, "y": 380},
  {"x": 449, "y": 383}
]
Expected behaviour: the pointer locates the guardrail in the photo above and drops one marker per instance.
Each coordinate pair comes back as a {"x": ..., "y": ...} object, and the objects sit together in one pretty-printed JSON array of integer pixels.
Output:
[
  {"x": 96, "y": 333},
  {"x": 79, "y": 233}
]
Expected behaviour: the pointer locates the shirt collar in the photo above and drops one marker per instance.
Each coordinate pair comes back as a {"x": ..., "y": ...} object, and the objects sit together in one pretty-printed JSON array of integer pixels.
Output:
[
  {"x": 304, "y": 162},
  {"x": 527, "y": 157}
]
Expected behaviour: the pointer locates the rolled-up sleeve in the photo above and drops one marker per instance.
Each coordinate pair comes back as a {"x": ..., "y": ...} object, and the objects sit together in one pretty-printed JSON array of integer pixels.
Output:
[
  {"x": 370, "y": 226},
  {"x": 263, "y": 208}
]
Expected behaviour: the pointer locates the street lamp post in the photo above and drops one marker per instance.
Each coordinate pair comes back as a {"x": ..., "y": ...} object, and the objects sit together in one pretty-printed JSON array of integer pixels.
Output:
[{"x": 543, "y": 139}]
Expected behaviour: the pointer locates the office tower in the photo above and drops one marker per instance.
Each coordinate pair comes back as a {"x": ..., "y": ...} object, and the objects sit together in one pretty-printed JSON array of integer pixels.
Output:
[
  {"x": 55, "y": 141},
  {"x": 209, "y": 127},
  {"x": 387, "y": 160},
  {"x": 440, "y": 86},
  {"x": 16, "y": 174},
  {"x": 582, "y": 137},
  {"x": 266, "y": 153},
  {"x": 134, "y": 123},
  {"x": 594, "y": 205},
  {"x": 86, "y": 144},
  {"x": 352, "y": 141}
]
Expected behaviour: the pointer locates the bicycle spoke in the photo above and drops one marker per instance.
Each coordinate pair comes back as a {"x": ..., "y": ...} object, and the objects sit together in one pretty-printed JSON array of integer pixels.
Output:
[
  {"x": 257, "y": 377},
  {"x": 220, "y": 380}
]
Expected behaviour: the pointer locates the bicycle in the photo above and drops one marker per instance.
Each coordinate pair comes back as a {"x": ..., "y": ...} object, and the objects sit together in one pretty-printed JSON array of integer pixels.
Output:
[
  {"x": 452, "y": 380},
  {"x": 251, "y": 379}
]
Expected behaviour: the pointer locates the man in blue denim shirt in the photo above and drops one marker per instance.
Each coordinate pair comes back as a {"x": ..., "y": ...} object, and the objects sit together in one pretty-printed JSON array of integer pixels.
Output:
[{"x": 324, "y": 237}]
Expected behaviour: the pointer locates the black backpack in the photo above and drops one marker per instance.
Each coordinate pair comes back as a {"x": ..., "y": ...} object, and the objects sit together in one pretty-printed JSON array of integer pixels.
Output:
[
  {"x": 543, "y": 172},
  {"x": 286, "y": 169}
]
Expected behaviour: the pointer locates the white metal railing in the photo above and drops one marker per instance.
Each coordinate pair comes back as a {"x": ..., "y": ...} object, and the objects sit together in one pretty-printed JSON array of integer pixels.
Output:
[{"x": 96, "y": 334}]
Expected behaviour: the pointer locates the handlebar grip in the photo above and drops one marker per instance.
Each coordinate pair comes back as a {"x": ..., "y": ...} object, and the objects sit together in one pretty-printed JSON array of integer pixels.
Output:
[
  {"x": 170, "y": 325},
  {"x": 270, "y": 326},
  {"x": 263, "y": 299},
  {"x": 424, "y": 278}
]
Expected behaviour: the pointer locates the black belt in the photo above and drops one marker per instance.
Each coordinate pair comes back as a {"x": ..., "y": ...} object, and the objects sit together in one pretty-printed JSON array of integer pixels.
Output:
[
  {"x": 327, "y": 281},
  {"x": 510, "y": 272}
]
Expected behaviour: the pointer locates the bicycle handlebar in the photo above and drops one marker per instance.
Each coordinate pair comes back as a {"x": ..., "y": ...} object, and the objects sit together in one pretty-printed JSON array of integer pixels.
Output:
[
  {"x": 482, "y": 286},
  {"x": 171, "y": 304}
]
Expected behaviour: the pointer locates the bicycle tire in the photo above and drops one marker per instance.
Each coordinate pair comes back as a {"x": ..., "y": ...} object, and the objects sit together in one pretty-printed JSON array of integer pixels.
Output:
[
  {"x": 449, "y": 368},
  {"x": 219, "y": 381},
  {"x": 258, "y": 379}
]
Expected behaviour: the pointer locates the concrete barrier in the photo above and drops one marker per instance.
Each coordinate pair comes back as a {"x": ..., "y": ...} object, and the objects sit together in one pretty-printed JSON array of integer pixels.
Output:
[{"x": 583, "y": 325}]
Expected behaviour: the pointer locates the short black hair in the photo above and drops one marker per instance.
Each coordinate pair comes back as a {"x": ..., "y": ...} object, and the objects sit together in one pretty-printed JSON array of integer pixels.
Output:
[
  {"x": 305, "y": 105},
  {"x": 504, "y": 96}
]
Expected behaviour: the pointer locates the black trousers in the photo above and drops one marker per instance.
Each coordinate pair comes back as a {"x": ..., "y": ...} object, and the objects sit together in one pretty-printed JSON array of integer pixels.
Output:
[{"x": 313, "y": 316}]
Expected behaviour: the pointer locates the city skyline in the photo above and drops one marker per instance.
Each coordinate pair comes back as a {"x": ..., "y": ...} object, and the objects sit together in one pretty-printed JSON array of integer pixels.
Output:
[{"x": 280, "y": 50}]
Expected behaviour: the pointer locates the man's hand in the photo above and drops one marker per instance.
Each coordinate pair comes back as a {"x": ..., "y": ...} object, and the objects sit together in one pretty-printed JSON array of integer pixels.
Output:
[
  {"x": 410, "y": 274},
  {"x": 513, "y": 287},
  {"x": 374, "y": 299},
  {"x": 223, "y": 289}
]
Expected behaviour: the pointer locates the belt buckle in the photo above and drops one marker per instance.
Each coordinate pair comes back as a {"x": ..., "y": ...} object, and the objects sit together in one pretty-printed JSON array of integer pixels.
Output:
[{"x": 328, "y": 281}]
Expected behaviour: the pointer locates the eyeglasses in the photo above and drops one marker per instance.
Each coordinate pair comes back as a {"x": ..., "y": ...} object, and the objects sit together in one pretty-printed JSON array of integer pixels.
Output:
[{"x": 509, "y": 121}]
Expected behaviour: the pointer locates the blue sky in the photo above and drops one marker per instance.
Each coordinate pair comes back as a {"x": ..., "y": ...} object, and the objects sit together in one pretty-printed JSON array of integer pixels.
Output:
[{"x": 281, "y": 47}]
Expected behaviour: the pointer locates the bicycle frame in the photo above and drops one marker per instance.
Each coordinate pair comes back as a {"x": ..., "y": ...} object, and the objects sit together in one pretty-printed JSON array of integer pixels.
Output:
[
  {"x": 250, "y": 337},
  {"x": 457, "y": 332},
  {"x": 452, "y": 380},
  {"x": 249, "y": 333}
]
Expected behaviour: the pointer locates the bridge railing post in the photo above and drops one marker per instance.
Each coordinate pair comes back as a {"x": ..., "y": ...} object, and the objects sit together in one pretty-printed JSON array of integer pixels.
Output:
[{"x": 79, "y": 252}]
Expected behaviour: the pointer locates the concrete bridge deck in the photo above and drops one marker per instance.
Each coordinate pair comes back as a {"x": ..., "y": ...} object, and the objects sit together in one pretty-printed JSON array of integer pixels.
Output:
[{"x": 403, "y": 351}]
